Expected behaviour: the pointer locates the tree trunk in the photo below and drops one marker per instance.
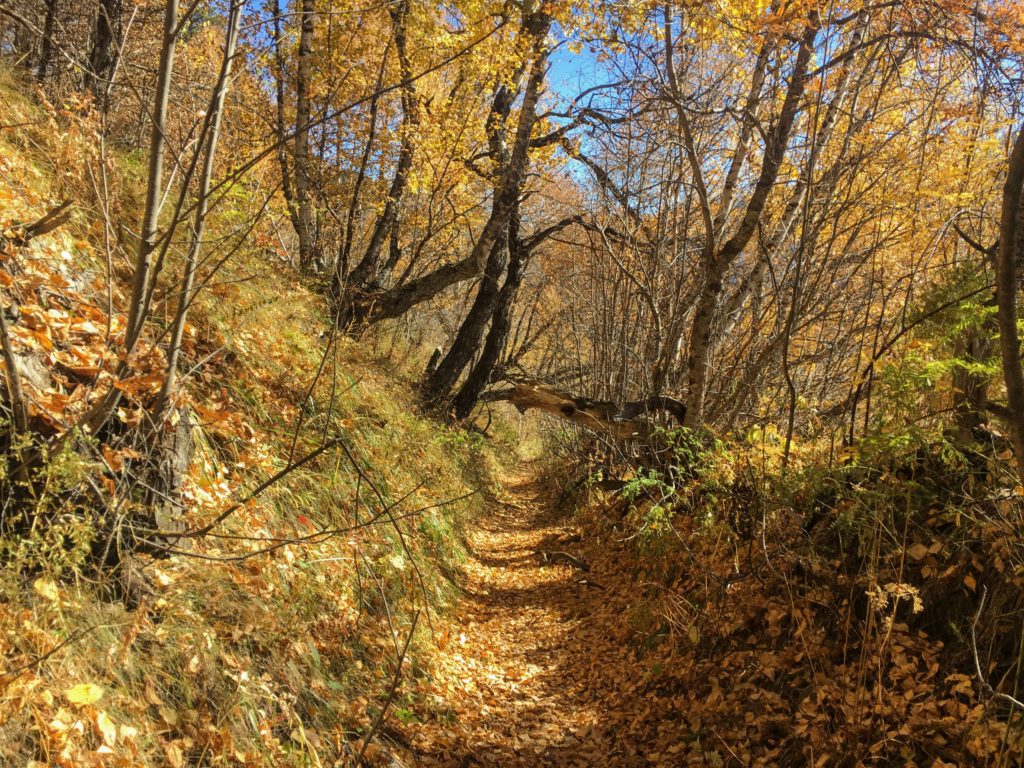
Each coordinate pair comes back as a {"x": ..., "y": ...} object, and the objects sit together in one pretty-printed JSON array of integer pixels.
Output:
[
  {"x": 24, "y": 45},
  {"x": 367, "y": 273},
  {"x": 103, "y": 52},
  {"x": 341, "y": 267},
  {"x": 715, "y": 270},
  {"x": 628, "y": 422},
  {"x": 46, "y": 47},
  {"x": 305, "y": 221},
  {"x": 400, "y": 300},
  {"x": 138, "y": 307},
  {"x": 480, "y": 375},
  {"x": 970, "y": 390},
  {"x": 154, "y": 183},
  {"x": 438, "y": 386},
  {"x": 1008, "y": 257},
  {"x": 491, "y": 356},
  {"x": 282, "y": 145},
  {"x": 214, "y": 115}
]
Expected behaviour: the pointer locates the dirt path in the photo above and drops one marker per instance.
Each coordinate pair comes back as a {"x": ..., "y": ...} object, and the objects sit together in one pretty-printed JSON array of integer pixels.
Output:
[{"x": 539, "y": 670}]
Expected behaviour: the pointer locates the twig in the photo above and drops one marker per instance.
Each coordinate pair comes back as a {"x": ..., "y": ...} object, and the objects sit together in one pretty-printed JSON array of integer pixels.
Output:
[
  {"x": 553, "y": 558},
  {"x": 254, "y": 493},
  {"x": 982, "y": 683},
  {"x": 13, "y": 673},
  {"x": 19, "y": 405},
  {"x": 51, "y": 220},
  {"x": 391, "y": 693}
]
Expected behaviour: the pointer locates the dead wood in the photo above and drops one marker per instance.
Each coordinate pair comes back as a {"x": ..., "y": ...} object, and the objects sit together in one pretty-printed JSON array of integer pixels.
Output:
[
  {"x": 561, "y": 558},
  {"x": 627, "y": 422},
  {"x": 56, "y": 217}
]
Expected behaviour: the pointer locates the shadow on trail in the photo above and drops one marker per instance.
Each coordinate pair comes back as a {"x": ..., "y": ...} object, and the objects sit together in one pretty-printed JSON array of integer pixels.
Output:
[{"x": 543, "y": 670}]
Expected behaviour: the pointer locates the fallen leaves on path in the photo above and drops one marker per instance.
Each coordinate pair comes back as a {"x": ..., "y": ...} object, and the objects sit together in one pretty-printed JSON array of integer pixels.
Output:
[
  {"x": 654, "y": 669},
  {"x": 541, "y": 672}
]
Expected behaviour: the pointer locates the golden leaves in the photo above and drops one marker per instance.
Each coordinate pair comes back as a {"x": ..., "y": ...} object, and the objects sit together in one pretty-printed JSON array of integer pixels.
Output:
[
  {"x": 46, "y": 588},
  {"x": 83, "y": 694}
]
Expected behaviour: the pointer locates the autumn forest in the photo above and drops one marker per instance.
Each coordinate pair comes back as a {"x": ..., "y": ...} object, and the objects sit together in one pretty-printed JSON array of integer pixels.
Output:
[{"x": 522, "y": 383}]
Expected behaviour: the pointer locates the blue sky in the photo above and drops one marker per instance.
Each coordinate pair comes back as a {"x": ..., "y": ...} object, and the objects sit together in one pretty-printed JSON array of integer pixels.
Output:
[{"x": 571, "y": 72}]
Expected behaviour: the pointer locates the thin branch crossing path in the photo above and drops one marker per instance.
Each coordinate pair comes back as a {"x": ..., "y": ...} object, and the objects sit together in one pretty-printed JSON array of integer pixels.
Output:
[{"x": 539, "y": 669}]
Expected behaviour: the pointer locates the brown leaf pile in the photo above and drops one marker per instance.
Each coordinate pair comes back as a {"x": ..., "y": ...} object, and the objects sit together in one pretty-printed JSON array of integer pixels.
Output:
[{"x": 788, "y": 665}]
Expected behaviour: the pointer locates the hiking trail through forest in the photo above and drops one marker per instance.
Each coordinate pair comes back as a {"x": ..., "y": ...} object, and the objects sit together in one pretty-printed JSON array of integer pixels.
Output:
[{"x": 542, "y": 671}]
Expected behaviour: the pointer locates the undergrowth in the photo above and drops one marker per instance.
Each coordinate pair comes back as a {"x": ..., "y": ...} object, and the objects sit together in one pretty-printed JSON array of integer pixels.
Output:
[
  {"x": 832, "y": 602},
  {"x": 246, "y": 649}
]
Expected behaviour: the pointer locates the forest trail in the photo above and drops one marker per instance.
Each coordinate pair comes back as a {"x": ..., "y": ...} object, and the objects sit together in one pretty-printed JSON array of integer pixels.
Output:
[{"x": 539, "y": 670}]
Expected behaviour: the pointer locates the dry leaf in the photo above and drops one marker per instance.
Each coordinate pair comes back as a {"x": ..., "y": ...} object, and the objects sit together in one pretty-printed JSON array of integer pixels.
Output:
[
  {"x": 175, "y": 757},
  {"x": 917, "y": 551},
  {"x": 106, "y": 728},
  {"x": 83, "y": 694},
  {"x": 47, "y": 588}
]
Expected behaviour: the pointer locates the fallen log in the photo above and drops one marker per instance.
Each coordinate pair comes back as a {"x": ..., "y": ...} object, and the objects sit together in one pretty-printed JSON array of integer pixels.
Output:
[{"x": 625, "y": 422}]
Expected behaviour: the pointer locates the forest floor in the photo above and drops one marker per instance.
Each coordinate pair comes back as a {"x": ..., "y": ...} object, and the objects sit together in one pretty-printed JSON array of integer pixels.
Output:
[{"x": 539, "y": 670}]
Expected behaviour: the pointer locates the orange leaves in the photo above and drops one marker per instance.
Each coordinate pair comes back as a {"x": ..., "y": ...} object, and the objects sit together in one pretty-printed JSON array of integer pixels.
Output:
[
  {"x": 82, "y": 361},
  {"x": 220, "y": 417},
  {"x": 214, "y": 415},
  {"x": 143, "y": 386},
  {"x": 115, "y": 459},
  {"x": 50, "y": 405},
  {"x": 62, "y": 337},
  {"x": 773, "y": 675},
  {"x": 917, "y": 551}
]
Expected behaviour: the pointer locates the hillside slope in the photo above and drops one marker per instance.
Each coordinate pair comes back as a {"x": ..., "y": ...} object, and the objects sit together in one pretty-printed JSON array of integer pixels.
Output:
[{"x": 275, "y": 640}]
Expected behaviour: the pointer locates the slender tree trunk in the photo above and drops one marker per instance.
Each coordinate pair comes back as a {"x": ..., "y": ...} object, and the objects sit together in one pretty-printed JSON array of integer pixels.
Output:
[
  {"x": 305, "y": 220},
  {"x": 214, "y": 115},
  {"x": 367, "y": 273},
  {"x": 154, "y": 183},
  {"x": 400, "y": 300},
  {"x": 98, "y": 415},
  {"x": 341, "y": 269},
  {"x": 46, "y": 44},
  {"x": 739, "y": 155},
  {"x": 731, "y": 310},
  {"x": 715, "y": 270},
  {"x": 103, "y": 52},
  {"x": 287, "y": 188},
  {"x": 24, "y": 45}
]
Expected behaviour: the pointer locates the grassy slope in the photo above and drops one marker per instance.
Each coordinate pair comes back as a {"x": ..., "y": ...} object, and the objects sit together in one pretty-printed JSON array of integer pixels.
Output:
[{"x": 279, "y": 659}]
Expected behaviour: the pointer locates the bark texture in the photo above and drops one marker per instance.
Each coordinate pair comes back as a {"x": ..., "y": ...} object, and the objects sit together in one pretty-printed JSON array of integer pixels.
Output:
[
  {"x": 1011, "y": 247},
  {"x": 626, "y": 422}
]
